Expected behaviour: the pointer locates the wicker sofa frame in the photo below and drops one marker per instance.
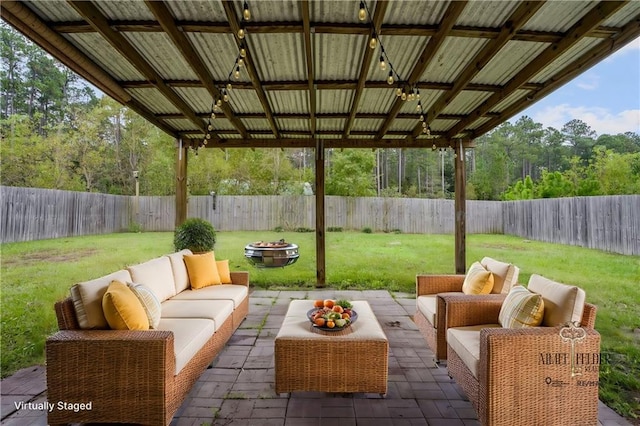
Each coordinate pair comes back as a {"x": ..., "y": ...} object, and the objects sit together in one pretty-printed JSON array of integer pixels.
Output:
[
  {"x": 514, "y": 387},
  {"x": 131, "y": 373}
]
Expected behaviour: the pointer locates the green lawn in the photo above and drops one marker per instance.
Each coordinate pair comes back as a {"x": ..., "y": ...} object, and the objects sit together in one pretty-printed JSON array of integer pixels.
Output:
[{"x": 36, "y": 274}]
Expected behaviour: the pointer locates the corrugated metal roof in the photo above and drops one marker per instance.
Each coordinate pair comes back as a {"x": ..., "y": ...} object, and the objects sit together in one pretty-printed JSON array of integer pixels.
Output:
[
  {"x": 100, "y": 51},
  {"x": 451, "y": 59},
  {"x": 279, "y": 57},
  {"x": 508, "y": 62},
  {"x": 275, "y": 42},
  {"x": 221, "y": 123}
]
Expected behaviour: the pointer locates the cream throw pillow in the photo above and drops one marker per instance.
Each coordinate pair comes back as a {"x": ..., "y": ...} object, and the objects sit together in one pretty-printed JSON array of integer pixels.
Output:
[
  {"x": 202, "y": 270},
  {"x": 122, "y": 308},
  {"x": 521, "y": 308},
  {"x": 149, "y": 302},
  {"x": 478, "y": 280}
]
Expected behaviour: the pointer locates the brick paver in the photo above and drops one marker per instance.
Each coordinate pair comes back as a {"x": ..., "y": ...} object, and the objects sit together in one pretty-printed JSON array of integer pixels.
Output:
[{"x": 238, "y": 389}]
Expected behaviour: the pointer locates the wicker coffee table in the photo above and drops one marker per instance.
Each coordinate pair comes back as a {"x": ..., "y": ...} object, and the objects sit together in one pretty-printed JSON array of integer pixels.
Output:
[{"x": 351, "y": 360}]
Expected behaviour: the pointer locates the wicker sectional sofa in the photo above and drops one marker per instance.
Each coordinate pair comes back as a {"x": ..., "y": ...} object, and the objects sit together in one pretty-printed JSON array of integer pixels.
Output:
[{"x": 138, "y": 376}]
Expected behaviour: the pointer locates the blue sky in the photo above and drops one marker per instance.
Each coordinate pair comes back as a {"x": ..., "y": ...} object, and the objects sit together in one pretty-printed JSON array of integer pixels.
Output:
[{"x": 606, "y": 96}]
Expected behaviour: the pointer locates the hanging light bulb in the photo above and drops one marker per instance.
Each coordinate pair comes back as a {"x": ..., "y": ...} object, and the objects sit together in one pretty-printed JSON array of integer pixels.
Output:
[
  {"x": 246, "y": 13},
  {"x": 373, "y": 42},
  {"x": 419, "y": 107},
  {"x": 240, "y": 62},
  {"x": 229, "y": 86},
  {"x": 241, "y": 33},
  {"x": 213, "y": 115},
  {"x": 236, "y": 73},
  {"x": 417, "y": 93},
  {"x": 398, "y": 92},
  {"x": 433, "y": 148},
  {"x": 243, "y": 51},
  {"x": 218, "y": 102},
  {"x": 383, "y": 64},
  {"x": 412, "y": 96},
  {"x": 390, "y": 78},
  {"x": 428, "y": 130},
  {"x": 362, "y": 13},
  {"x": 210, "y": 127},
  {"x": 421, "y": 117},
  {"x": 225, "y": 96},
  {"x": 208, "y": 136},
  {"x": 404, "y": 95}
]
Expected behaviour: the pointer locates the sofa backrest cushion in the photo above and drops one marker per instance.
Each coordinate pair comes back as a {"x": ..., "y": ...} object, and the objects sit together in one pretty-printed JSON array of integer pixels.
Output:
[
  {"x": 180, "y": 276},
  {"x": 521, "y": 308},
  {"x": 505, "y": 275},
  {"x": 157, "y": 275},
  {"x": 477, "y": 280},
  {"x": 123, "y": 309},
  {"x": 87, "y": 299},
  {"x": 562, "y": 303}
]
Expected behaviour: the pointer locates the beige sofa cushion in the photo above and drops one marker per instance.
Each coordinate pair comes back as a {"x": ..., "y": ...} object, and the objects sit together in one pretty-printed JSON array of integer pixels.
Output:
[
  {"x": 478, "y": 280},
  {"x": 87, "y": 299},
  {"x": 465, "y": 341},
  {"x": 427, "y": 304},
  {"x": 236, "y": 293},
  {"x": 180, "y": 276},
  {"x": 216, "y": 310},
  {"x": 562, "y": 303},
  {"x": 189, "y": 336},
  {"x": 505, "y": 275},
  {"x": 157, "y": 275},
  {"x": 149, "y": 302}
]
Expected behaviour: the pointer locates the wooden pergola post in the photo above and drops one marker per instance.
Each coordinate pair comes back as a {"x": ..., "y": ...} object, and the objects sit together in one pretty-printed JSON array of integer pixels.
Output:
[
  {"x": 460, "y": 208},
  {"x": 181, "y": 183},
  {"x": 320, "y": 224}
]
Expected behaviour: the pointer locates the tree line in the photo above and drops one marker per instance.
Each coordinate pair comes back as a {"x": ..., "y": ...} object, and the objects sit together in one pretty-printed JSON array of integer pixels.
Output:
[{"x": 57, "y": 133}]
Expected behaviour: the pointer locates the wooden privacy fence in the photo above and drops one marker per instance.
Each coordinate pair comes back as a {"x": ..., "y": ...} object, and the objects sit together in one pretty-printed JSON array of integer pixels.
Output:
[{"x": 607, "y": 223}]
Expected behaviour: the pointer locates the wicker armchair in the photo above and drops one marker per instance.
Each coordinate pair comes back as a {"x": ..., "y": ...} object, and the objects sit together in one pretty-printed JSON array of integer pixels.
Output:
[
  {"x": 525, "y": 376},
  {"x": 430, "y": 310}
]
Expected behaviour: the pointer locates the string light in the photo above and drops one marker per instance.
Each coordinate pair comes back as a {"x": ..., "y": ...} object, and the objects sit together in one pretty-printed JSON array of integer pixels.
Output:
[
  {"x": 373, "y": 42},
  {"x": 240, "y": 62},
  {"x": 241, "y": 33},
  {"x": 229, "y": 86},
  {"x": 236, "y": 73},
  {"x": 243, "y": 51},
  {"x": 390, "y": 78},
  {"x": 362, "y": 13},
  {"x": 383, "y": 64},
  {"x": 246, "y": 13}
]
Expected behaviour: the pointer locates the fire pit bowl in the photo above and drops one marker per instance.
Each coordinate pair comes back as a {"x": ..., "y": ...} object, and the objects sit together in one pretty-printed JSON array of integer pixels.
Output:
[{"x": 271, "y": 254}]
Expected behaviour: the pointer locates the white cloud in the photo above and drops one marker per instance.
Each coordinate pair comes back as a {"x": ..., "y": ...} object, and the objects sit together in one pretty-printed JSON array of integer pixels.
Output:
[
  {"x": 588, "y": 81},
  {"x": 600, "y": 120}
]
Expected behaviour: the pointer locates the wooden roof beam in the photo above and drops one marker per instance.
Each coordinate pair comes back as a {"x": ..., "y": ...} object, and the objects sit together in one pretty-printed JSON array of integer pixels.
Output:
[
  {"x": 449, "y": 19},
  {"x": 182, "y": 43},
  {"x": 378, "y": 17},
  {"x": 577, "y": 32},
  {"x": 309, "y": 61},
  {"x": 97, "y": 20},
  {"x": 603, "y": 49},
  {"x": 308, "y": 142},
  {"x": 514, "y": 23},
  {"x": 249, "y": 66}
]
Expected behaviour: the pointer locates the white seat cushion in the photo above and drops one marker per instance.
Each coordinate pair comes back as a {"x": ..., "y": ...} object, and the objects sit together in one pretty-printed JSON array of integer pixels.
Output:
[
  {"x": 427, "y": 304},
  {"x": 157, "y": 275},
  {"x": 87, "y": 300},
  {"x": 189, "y": 336},
  {"x": 505, "y": 275},
  {"x": 216, "y": 310},
  {"x": 237, "y": 293},
  {"x": 465, "y": 341}
]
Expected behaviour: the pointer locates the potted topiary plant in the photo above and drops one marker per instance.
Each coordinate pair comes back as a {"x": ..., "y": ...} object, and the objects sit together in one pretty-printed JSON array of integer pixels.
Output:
[{"x": 195, "y": 234}]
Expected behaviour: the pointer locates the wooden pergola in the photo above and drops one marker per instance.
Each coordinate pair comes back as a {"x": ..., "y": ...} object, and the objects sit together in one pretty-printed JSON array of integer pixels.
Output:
[{"x": 310, "y": 75}]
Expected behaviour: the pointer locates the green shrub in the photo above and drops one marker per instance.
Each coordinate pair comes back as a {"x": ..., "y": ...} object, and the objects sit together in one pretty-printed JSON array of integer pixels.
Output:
[
  {"x": 195, "y": 234},
  {"x": 303, "y": 229},
  {"x": 334, "y": 229},
  {"x": 278, "y": 229},
  {"x": 367, "y": 230}
]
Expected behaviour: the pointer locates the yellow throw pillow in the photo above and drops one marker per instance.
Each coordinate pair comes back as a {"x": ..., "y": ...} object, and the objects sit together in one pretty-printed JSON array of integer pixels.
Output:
[
  {"x": 149, "y": 302},
  {"x": 478, "y": 280},
  {"x": 122, "y": 309},
  {"x": 223, "y": 270},
  {"x": 202, "y": 270},
  {"x": 521, "y": 308}
]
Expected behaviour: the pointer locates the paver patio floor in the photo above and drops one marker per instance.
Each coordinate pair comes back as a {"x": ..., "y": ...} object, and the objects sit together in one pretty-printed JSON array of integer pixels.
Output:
[{"x": 238, "y": 389}]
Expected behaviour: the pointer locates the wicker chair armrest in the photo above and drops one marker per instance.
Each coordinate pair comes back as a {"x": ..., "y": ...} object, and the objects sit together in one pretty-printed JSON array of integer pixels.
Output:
[
  {"x": 434, "y": 284},
  {"x": 465, "y": 310},
  {"x": 533, "y": 367},
  {"x": 240, "y": 277}
]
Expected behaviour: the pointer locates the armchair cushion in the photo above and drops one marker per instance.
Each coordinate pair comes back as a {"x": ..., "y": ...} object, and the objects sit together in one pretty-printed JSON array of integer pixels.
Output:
[
  {"x": 465, "y": 341},
  {"x": 478, "y": 280},
  {"x": 505, "y": 275},
  {"x": 521, "y": 308},
  {"x": 562, "y": 303},
  {"x": 427, "y": 305}
]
